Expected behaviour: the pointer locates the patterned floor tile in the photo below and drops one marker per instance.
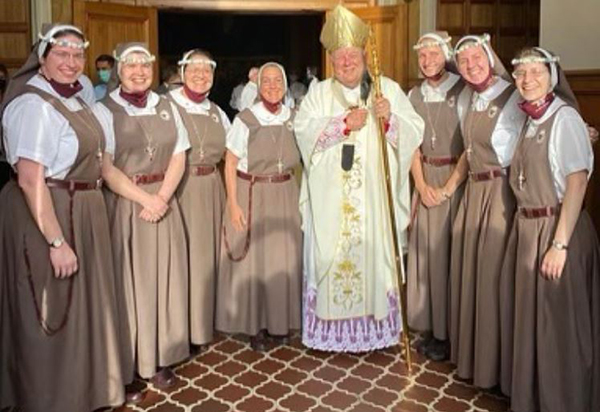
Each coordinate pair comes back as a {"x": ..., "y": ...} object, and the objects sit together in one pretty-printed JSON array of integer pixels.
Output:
[{"x": 228, "y": 376}]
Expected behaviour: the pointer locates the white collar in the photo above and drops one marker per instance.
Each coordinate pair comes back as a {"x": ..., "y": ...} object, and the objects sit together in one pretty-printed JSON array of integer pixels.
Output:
[
  {"x": 185, "y": 102},
  {"x": 153, "y": 100},
  {"x": 39, "y": 82},
  {"x": 265, "y": 116},
  {"x": 494, "y": 90},
  {"x": 440, "y": 89},
  {"x": 554, "y": 106}
]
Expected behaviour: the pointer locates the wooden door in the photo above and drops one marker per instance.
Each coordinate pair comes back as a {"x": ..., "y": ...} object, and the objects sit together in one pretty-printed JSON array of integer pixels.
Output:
[
  {"x": 390, "y": 26},
  {"x": 108, "y": 24},
  {"x": 15, "y": 33}
]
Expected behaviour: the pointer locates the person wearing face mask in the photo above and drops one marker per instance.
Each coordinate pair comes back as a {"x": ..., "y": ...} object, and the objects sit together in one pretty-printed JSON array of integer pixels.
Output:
[
  {"x": 143, "y": 170},
  {"x": 491, "y": 122},
  {"x": 201, "y": 193},
  {"x": 260, "y": 279},
  {"x": 59, "y": 341},
  {"x": 104, "y": 65},
  {"x": 430, "y": 238},
  {"x": 550, "y": 291},
  {"x": 351, "y": 296}
]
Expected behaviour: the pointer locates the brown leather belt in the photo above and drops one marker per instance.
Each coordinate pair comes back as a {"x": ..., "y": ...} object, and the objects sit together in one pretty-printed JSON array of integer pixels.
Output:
[
  {"x": 439, "y": 161},
  {"x": 265, "y": 178},
  {"x": 141, "y": 179},
  {"x": 538, "y": 212},
  {"x": 487, "y": 175},
  {"x": 202, "y": 170},
  {"x": 74, "y": 185}
]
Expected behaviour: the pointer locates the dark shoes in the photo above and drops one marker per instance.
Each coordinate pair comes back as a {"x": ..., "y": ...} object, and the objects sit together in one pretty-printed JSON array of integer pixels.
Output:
[
  {"x": 258, "y": 342},
  {"x": 423, "y": 343},
  {"x": 434, "y": 349},
  {"x": 133, "y": 393},
  {"x": 164, "y": 379}
]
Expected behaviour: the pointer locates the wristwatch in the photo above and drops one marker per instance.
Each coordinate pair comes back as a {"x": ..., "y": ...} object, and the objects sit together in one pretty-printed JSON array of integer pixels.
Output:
[
  {"x": 558, "y": 245},
  {"x": 57, "y": 242}
]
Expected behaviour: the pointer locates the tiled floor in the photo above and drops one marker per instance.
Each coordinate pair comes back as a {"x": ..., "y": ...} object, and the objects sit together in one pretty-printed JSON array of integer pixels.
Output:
[{"x": 230, "y": 376}]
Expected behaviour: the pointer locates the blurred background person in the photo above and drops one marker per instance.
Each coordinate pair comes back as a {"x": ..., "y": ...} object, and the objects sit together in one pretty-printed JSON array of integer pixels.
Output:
[{"x": 104, "y": 65}]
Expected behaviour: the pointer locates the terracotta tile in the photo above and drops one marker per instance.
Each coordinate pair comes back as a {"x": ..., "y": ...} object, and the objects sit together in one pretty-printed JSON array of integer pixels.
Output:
[
  {"x": 421, "y": 394},
  {"x": 450, "y": 405},
  {"x": 297, "y": 403},
  {"x": 249, "y": 356},
  {"x": 314, "y": 388},
  {"x": 190, "y": 396},
  {"x": 231, "y": 368},
  {"x": 381, "y": 397},
  {"x": 379, "y": 359},
  {"x": 492, "y": 403},
  {"x": 210, "y": 382},
  {"x": 251, "y": 379},
  {"x": 368, "y": 372},
  {"x": 219, "y": 337},
  {"x": 343, "y": 361},
  {"x": 290, "y": 376},
  {"x": 179, "y": 383},
  {"x": 285, "y": 354},
  {"x": 273, "y": 390},
  {"x": 408, "y": 406},
  {"x": 461, "y": 391},
  {"x": 254, "y": 404},
  {"x": 167, "y": 407},
  {"x": 229, "y": 346},
  {"x": 400, "y": 368},
  {"x": 306, "y": 363},
  {"x": 211, "y": 405},
  {"x": 231, "y": 392},
  {"x": 340, "y": 400},
  {"x": 432, "y": 380},
  {"x": 354, "y": 385},
  {"x": 393, "y": 382},
  {"x": 191, "y": 370},
  {"x": 323, "y": 409},
  {"x": 319, "y": 354},
  {"x": 151, "y": 398},
  {"x": 330, "y": 374},
  {"x": 210, "y": 358},
  {"x": 442, "y": 367},
  {"x": 364, "y": 407},
  {"x": 268, "y": 366}
]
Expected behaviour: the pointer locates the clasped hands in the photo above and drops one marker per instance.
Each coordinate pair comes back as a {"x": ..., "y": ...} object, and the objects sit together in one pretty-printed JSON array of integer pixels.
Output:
[
  {"x": 357, "y": 117},
  {"x": 154, "y": 208},
  {"x": 432, "y": 196}
]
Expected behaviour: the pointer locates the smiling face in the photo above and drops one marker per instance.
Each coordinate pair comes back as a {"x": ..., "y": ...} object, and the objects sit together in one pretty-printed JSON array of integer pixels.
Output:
[
  {"x": 272, "y": 84},
  {"x": 532, "y": 80},
  {"x": 64, "y": 64},
  {"x": 431, "y": 60},
  {"x": 199, "y": 76},
  {"x": 474, "y": 65},
  {"x": 348, "y": 65},
  {"x": 136, "y": 77}
]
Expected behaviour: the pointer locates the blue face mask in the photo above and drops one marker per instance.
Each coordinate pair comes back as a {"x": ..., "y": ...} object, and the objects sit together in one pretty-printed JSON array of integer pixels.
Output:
[{"x": 104, "y": 75}]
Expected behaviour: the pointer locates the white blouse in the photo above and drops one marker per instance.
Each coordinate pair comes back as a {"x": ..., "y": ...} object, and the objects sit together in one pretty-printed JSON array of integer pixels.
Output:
[
  {"x": 433, "y": 94},
  {"x": 35, "y": 130},
  {"x": 107, "y": 122},
  {"x": 570, "y": 149},
  {"x": 237, "y": 137},
  {"x": 198, "y": 108},
  {"x": 510, "y": 123}
]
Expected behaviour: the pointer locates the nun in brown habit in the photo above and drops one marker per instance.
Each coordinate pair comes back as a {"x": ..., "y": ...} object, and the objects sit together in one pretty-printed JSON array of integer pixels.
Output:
[
  {"x": 550, "y": 295},
  {"x": 143, "y": 171},
  {"x": 434, "y": 210},
  {"x": 491, "y": 122},
  {"x": 260, "y": 273},
  {"x": 59, "y": 346}
]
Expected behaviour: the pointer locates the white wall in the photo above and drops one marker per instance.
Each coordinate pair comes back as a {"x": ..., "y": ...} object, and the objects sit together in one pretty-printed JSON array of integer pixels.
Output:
[{"x": 571, "y": 29}]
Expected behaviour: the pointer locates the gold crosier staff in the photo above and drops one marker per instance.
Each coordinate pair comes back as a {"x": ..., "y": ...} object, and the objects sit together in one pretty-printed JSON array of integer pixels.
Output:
[{"x": 375, "y": 71}]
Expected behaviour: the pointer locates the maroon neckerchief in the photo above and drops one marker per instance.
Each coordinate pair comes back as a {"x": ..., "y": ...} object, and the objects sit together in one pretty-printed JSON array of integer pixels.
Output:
[
  {"x": 65, "y": 90},
  {"x": 536, "y": 109},
  {"x": 136, "y": 99},
  {"x": 484, "y": 84},
  {"x": 272, "y": 107},
  {"x": 193, "y": 96}
]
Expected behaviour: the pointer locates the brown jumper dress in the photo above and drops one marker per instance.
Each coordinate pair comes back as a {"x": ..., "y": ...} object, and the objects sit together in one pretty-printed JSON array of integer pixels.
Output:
[
  {"x": 550, "y": 328},
  {"x": 478, "y": 241},
  {"x": 150, "y": 258},
  {"x": 264, "y": 289},
  {"x": 430, "y": 237},
  {"x": 202, "y": 199},
  {"x": 59, "y": 346}
]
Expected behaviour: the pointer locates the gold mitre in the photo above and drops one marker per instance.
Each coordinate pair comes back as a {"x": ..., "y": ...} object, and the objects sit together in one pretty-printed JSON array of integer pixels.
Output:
[{"x": 343, "y": 29}]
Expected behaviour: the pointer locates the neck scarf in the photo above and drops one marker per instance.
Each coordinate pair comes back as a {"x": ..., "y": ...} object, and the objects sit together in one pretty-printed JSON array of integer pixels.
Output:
[
  {"x": 193, "y": 96},
  {"x": 64, "y": 89},
  {"x": 138, "y": 99},
  {"x": 536, "y": 109},
  {"x": 272, "y": 107},
  {"x": 484, "y": 84}
]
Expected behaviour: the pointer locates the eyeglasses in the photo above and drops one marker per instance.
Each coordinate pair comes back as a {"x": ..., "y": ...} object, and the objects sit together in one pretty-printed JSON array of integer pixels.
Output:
[
  {"x": 65, "y": 56},
  {"x": 520, "y": 74}
]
